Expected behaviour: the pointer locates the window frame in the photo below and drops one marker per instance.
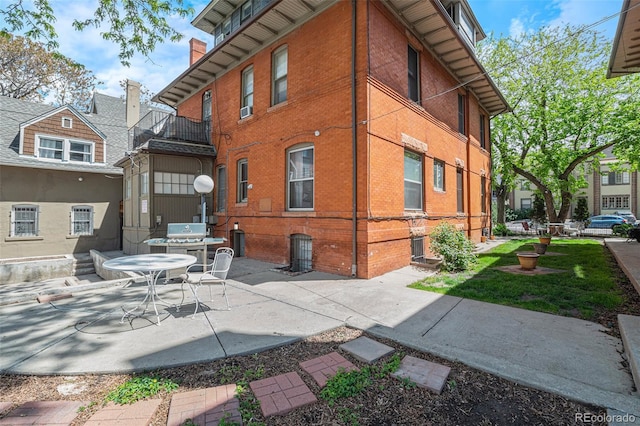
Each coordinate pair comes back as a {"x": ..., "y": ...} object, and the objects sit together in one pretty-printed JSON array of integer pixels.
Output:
[
  {"x": 144, "y": 183},
  {"x": 247, "y": 96},
  {"x": 74, "y": 220},
  {"x": 170, "y": 183},
  {"x": 439, "y": 163},
  {"x": 292, "y": 179},
  {"x": 36, "y": 220},
  {"x": 65, "y": 151},
  {"x": 242, "y": 192},
  {"x": 278, "y": 79},
  {"x": 221, "y": 188},
  {"x": 483, "y": 131},
  {"x": 413, "y": 71},
  {"x": 522, "y": 207},
  {"x": 462, "y": 125},
  {"x": 483, "y": 194},
  {"x": 460, "y": 190},
  {"x": 408, "y": 204}
]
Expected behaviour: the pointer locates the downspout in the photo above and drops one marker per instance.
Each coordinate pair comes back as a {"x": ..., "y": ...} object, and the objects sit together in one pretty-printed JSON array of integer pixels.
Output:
[
  {"x": 468, "y": 162},
  {"x": 354, "y": 146}
]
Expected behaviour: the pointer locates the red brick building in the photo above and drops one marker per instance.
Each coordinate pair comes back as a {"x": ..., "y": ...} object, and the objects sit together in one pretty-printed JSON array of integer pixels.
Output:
[{"x": 344, "y": 130}]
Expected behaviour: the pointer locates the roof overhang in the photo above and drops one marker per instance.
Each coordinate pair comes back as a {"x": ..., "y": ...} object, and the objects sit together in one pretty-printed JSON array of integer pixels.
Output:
[
  {"x": 625, "y": 55},
  {"x": 430, "y": 23},
  {"x": 275, "y": 21}
]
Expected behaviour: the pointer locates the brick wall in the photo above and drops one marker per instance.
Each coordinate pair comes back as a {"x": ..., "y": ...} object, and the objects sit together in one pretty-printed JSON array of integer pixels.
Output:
[{"x": 319, "y": 99}]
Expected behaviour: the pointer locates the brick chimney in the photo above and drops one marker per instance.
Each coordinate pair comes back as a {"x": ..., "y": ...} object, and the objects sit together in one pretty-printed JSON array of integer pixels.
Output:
[
  {"x": 133, "y": 103},
  {"x": 197, "y": 49}
]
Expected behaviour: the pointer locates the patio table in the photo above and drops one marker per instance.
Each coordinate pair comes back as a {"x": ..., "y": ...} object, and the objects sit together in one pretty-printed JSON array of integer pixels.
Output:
[{"x": 150, "y": 266}]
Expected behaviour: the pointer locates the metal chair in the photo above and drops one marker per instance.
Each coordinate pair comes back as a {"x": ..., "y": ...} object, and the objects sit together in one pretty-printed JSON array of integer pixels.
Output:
[{"x": 216, "y": 275}]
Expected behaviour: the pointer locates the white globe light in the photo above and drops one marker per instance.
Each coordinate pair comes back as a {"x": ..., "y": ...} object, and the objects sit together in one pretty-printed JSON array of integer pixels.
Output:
[{"x": 203, "y": 184}]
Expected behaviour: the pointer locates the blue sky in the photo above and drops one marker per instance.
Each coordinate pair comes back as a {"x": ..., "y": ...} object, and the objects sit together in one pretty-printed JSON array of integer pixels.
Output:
[{"x": 507, "y": 17}]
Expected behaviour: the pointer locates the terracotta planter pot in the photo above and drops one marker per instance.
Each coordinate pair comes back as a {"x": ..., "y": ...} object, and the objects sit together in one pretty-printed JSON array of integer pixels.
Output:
[
  {"x": 483, "y": 239},
  {"x": 540, "y": 248},
  {"x": 545, "y": 240},
  {"x": 528, "y": 261}
]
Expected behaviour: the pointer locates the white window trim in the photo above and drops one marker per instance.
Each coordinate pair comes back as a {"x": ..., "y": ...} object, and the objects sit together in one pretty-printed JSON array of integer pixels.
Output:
[
  {"x": 67, "y": 120},
  {"x": 245, "y": 73},
  {"x": 66, "y": 149},
  {"x": 277, "y": 78},
  {"x": 440, "y": 163},
  {"x": 312, "y": 178},
  {"x": 36, "y": 209},
  {"x": 73, "y": 220},
  {"x": 242, "y": 183}
]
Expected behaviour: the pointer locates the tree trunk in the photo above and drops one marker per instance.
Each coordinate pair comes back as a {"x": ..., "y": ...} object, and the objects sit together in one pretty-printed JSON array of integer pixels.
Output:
[
  {"x": 501, "y": 195},
  {"x": 551, "y": 209}
]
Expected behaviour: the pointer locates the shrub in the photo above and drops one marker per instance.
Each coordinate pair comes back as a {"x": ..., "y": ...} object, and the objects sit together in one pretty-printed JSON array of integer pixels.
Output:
[
  {"x": 454, "y": 247},
  {"x": 581, "y": 212},
  {"x": 501, "y": 230}
]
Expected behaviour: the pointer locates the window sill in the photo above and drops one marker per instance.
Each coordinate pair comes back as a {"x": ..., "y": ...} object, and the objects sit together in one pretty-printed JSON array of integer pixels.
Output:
[
  {"x": 299, "y": 213},
  {"x": 439, "y": 191},
  {"x": 242, "y": 204},
  {"x": 76, "y": 237},
  {"x": 278, "y": 106},
  {"x": 18, "y": 238}
]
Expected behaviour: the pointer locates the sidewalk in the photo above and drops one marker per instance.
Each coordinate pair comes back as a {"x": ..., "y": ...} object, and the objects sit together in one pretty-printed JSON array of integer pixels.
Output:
[{"x": 83, "y": 333}]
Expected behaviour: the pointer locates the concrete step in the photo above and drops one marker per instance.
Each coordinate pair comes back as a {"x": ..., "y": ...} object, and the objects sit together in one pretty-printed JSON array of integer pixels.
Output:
[
  {"x": 630, "y": 333},
  {"x": 84, "y": 270}
]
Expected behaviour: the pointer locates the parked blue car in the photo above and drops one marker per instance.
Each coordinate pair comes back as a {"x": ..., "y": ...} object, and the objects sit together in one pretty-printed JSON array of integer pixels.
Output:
[{"x": 607, "y": 221}]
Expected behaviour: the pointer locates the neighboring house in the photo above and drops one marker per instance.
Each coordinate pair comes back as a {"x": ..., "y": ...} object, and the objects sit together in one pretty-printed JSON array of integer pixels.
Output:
[
  {"x": 60, "y": 192},
  {"x": 343, "y": 132},
  {"x": 608, "y": 190}
]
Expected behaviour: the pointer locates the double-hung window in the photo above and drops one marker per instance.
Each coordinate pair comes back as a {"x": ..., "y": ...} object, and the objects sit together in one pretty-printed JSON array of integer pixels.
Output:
[
  {"x": 24, "y": 220},
  {"x": 300, "y": 178},
  {"x": 243, "y": 181},
  {"x": 460, "y": 190},
  {"x": 82, "y": 220},
  {"x": 414, "y": 80},
  {"x": 483, "y": 132},
  {"x": 412, "y": 181},
  {"x": 247, "y": 87},
  {"x": 64, "y": 149},
  {"x": 221, "y": 189},
  {"x": 461, "y": 114},
  {"x": 279, "y": 76},
  {"x": 438, "y": 175},
  {"x": 483, "y": 194}
]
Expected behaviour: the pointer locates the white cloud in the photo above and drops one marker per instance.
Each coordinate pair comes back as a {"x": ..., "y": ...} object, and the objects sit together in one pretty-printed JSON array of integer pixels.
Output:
[
  {"x": 587, "y": 12},
  {"x": 516, "y": 28}
]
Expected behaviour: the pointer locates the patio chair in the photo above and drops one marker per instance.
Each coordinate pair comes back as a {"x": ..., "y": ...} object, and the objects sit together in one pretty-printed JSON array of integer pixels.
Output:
[{"x": 214, "y": 276}]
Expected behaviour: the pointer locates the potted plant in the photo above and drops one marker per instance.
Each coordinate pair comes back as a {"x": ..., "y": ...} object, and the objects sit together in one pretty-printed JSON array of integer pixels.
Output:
[
  {"x": 540, "y": 248},
  {"x": 545, "y": 238},
  {"x": 528, "y": 260}
]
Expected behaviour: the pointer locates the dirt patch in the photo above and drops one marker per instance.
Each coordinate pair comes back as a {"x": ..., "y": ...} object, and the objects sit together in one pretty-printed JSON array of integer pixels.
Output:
[{"x": 539, "y": 270}]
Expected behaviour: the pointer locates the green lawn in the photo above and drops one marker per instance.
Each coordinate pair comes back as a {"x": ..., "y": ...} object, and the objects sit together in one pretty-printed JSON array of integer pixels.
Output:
[{"x": 585, "y": 286}]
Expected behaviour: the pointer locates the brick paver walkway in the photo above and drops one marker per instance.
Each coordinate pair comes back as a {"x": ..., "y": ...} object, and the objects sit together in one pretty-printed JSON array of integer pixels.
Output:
[
  {"x": 205, "y": 406},
  {"x": 281, "y": 394},
  {"x": 324, "y": 367},
  {"x": 50, "y": 413},
  {"x": 137, "y": 414}
]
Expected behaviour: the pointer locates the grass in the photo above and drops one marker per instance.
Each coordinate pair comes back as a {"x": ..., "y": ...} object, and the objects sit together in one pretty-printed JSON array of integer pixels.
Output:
[{"x": 585, "y": 286}]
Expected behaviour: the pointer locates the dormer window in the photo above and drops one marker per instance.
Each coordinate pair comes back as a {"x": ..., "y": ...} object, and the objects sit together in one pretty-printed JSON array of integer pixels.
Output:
[{"x": 463, "y": 21}]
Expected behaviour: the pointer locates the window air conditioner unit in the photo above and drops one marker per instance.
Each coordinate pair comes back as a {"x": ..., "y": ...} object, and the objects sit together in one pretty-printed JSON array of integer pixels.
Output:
[
  {"x": 219, "y": 39},
  {"x": 246, "y": 111}
]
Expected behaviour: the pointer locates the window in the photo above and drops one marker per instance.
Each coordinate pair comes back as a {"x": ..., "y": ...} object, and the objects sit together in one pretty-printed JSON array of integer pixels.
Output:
[
  {"x": 417, "y": 249},
  {"x": 438, "y": 175},
  {"x": 525, "y": 203},
  {"x": 24, "y": 221},
  {"x": 483, "y": 194},
  {"x": 82, "y": 220},
  {"x": 67, "y": 122},
  {"x": 64, "y": 149},
  {"x": 414, "y": 81},
  {"x": 144, "y": 183},
  {"x": 615, "y": 202},
  {"x": 483, "y": 135},
  {"x": 173, "y": 183},
  {"x": 206, "y": 106},
  {"x": 127, "y": 188},
  {"x": 461, "y": 114},
  {"x": 247, "y": 87},
  {"x": 243, "y": 181},
  {"x": 300, "y": 178},
  {"x": 279, "y": 82},
  {"x": 615, "y": 178},
  {"x": 460, "y": 190},
  {"x": 412, "y": 181},
  {"x": 221, "y": 189},
  {"x": 246, "y": 11}
]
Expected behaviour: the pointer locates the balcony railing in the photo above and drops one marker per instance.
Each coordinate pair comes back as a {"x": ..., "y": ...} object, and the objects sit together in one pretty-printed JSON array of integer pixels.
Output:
[{"x": 165, "y": 126}]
